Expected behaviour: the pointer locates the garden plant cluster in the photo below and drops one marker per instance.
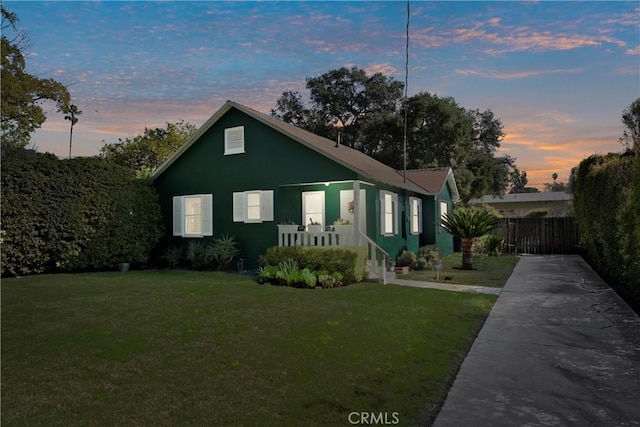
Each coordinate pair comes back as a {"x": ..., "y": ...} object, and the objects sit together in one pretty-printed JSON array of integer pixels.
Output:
[{"x": 311, "y": 267}]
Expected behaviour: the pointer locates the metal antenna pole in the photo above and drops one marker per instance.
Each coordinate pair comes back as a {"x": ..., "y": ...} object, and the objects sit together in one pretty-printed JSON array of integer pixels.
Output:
[{"x": 406, "y": 103}]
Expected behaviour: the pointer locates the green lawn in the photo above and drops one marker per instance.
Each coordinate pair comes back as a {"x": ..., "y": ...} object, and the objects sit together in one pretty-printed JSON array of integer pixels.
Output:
[
  {"x": 488, "y": 271},
  {"x": 187, "y": 348}
]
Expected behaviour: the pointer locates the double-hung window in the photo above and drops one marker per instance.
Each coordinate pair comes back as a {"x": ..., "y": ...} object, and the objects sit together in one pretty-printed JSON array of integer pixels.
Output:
[
  {"x": 193, "y": 215},
  {"x": 415, "y": 211},
  {"x": 253, "y": 206},
  {"x": 388, "y": 213}
]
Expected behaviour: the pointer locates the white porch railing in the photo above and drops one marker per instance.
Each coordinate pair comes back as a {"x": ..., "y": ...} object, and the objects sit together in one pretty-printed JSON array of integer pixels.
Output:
[
  {"x": 376, "y": 256},
  {"x": 293, "y": 237}
]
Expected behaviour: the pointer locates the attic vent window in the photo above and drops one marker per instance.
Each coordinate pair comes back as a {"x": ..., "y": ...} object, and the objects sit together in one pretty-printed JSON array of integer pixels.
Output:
[{"x": 234, "y": 140}]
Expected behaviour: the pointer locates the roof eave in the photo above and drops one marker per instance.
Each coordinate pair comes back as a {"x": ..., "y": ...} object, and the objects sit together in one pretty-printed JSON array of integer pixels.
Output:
[{"x": 231, "y": 104}]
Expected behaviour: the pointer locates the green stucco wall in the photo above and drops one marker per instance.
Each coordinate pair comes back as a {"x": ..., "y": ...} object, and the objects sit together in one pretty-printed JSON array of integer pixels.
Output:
[{"x": 433, "y": 234}]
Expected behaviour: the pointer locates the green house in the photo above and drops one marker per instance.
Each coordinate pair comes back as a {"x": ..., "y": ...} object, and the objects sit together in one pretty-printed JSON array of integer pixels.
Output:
[{"x": 246, "y": 174}]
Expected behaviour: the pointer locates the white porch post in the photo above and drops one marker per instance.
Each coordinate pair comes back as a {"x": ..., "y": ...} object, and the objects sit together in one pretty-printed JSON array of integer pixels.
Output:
[{"x": 356, "y": 213}]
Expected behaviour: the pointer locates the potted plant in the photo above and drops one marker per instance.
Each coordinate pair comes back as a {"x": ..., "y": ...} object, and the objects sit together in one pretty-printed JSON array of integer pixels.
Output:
[
  {"x": 287, "y": 226},
  {"x": 314, "y": 226},
  {"x": 391, "y": 265},
  {"x": 406, "y": 261}
]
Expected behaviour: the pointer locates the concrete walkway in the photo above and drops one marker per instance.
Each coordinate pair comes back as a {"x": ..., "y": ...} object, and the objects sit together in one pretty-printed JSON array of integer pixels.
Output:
[
  {"x": 559, "y": 348},
  {"x": 446, "y": 286}
]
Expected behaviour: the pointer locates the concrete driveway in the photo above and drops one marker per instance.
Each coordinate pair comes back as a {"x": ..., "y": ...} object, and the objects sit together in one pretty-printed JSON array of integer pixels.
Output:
[{"x": 559, "y": 348}]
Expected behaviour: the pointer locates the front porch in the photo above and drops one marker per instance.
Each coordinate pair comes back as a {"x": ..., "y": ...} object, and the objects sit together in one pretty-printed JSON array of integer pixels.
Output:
[
  {"x": 333, "y": 213},
  {"x": 345, "y": 235}
]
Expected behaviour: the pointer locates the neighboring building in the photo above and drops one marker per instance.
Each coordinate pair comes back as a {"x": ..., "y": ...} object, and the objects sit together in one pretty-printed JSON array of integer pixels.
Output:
[
  {"x": 555, "y": 203},
  {"x": 244, "y": 172}
]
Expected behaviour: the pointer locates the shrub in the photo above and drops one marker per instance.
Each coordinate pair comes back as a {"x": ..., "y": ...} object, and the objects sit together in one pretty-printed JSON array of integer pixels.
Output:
[
  {"x": 287, "y": 271},
  {"x": 430, "y": 252},
  {"x": 329, "y": 280},
  {"x": 173, "y": 256},
  {"x": 606, "y": 195},
  {"x": 217, "y": 254},
  {"x": 223, "y": 250},
  {"x": 488, "y": 244},
  {"x": 537, "y": 213},
  {"x": 78, "y": 214},
  {"x": 407, "y": 259},
  {"x": 197, "y": 255},
  {"x": 348, "y": 261}
]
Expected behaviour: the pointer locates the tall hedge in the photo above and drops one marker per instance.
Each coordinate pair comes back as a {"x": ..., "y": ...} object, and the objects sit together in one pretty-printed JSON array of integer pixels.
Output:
[
  {"x": 607, "y": 205},
  {"x": 79, "y": 214}
]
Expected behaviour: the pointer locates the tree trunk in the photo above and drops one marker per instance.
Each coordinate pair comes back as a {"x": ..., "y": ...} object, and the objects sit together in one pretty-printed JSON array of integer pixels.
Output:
[
  {"x": 467, "y": 257},
  {"x": 70, "y": 139}
]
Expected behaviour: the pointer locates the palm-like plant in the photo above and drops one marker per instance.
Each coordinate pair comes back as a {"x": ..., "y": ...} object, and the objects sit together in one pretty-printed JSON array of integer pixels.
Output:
[
  {"x": 469, "y": 223},
  {"x": 72, "y": 114}
]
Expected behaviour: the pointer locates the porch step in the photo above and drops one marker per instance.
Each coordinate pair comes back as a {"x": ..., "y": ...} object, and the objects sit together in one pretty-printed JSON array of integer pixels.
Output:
[{"x": 373, "y": 276}]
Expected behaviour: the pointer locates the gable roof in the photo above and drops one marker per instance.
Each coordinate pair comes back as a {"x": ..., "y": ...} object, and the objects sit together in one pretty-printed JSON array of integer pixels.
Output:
[
  {"x": 433, "y": 180},
  {"x": 355, "y": 160},
  {"x": 548, "y": 196}
]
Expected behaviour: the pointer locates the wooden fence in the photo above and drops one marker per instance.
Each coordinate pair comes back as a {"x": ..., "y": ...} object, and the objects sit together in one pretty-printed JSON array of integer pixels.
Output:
[{"x": 557, "y": 235}]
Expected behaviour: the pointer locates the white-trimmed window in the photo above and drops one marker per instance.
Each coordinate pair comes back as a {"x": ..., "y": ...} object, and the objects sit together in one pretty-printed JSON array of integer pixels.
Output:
[
  {"x": 193, "y": 215},
  {"x": 234, "y": 140},
  {"x": 444, "y": 209},
  {"x": 253, "y": 206},
  {"x": 415, "y": 211},
  {"x": 313, "y": 207},
  {"x": 388, "y": 213}
]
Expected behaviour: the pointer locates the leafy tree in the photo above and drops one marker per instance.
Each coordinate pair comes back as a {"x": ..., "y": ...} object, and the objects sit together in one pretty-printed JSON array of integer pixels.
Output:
[
  {"x": 367, "y": 113},
  {"x": 22, "y": 94},
  {"x": 631, "y": 119},
  {"x": 468, "y": 224},
  {"x": 290, "y": 109},
  {"x": 519, "y": 183},
  {"x": 346, "y": 101},
  {"x": 441, "y": 132},
  {"x": 71, "y": 114},
  {"x": 145, "y": 152},
  {"x": 557, "y": 186}
]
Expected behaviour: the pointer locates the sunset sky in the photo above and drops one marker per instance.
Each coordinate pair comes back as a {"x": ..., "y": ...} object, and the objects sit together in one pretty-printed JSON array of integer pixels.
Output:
[{"x": 558, "y": 74}]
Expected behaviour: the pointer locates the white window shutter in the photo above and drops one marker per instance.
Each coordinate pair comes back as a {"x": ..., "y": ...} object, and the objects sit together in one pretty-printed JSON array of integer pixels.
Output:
[
  {"x": 207, "y": 214},
  {"x": 382, "y": 213},
  {"x": 420, "y": 215},
  {"x": 239, "y": 207},
  {"x": 395, "y": 213},
  {"x": 266, "y": 205},
  {"x": 178, "y": 216}
]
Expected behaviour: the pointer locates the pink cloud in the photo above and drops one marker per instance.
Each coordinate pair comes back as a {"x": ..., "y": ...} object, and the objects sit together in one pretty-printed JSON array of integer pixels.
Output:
[
  {"x": 515, "y": 74},
  {"x": 386, "y": 68},
  {"x": 633, "y": 51},
  {"x": 521, "y": 38}
]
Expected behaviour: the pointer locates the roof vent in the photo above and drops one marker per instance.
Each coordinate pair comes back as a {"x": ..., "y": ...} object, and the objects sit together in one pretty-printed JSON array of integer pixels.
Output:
[{"x": 338, "y": 140}]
